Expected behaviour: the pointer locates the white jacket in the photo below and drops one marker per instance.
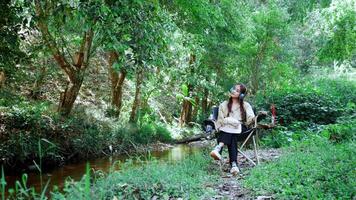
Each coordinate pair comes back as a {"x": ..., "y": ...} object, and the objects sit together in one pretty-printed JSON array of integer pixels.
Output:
[{"x": 232, "y": 123}]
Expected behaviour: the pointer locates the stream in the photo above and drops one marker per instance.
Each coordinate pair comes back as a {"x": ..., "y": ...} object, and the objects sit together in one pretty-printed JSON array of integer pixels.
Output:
[{"x": 76, "y": 171}]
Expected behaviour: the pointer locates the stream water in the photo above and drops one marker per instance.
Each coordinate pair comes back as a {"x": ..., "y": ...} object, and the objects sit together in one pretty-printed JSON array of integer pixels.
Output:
[{"x": 76, "y": 171}]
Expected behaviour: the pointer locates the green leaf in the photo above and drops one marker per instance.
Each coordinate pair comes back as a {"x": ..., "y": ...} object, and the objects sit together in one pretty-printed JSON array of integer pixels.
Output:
[{"x": 185, "y": 90}]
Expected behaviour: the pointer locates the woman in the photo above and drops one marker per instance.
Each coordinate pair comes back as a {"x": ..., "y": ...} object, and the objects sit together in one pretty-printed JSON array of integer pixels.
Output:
[{"x": 234, "y": 117}]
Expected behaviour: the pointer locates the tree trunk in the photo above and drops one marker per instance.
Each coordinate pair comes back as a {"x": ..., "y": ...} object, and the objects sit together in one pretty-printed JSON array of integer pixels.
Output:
[
  {"x": 256, "y": 68},
  {"x": 75, "y": 71},
  {"x": 36, "y": 89},
  {"x": 117, "y": 92},
  {"x": 186, "y": 113},
  {"x": 255, "y": 78},
  {"x": 195, "y": 109},
  {"x": 117, "y": 83},
  {"x": 204, "y": 103},
  {"x": 136, "y": 103},
  {"x": 2, "y": 79},
  {"x": 68, "y": 97}
]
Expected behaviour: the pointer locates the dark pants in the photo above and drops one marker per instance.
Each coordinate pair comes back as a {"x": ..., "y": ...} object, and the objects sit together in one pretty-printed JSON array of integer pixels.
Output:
[{"x": 230, "y": 140}]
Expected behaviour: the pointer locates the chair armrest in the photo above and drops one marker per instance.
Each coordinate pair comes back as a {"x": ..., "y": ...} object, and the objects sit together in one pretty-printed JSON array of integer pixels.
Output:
[{"x": 261, "y": 115}]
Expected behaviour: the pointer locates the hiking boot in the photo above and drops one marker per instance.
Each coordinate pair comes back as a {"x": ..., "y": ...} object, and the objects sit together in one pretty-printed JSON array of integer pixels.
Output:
[{"x": 215, "y": 153}]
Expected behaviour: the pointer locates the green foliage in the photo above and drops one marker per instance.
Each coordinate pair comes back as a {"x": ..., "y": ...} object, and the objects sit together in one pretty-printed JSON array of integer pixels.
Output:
[
  {"x": 10, "y": 53},
  {"x": 145, "y": 134},
  {"x": 312, "y": 170},
  {"x": 148, "y": 133},
  {"x": 3, "y": 183},
  {"x": 329, "y": 33},
  {"x": 24, "y": 126},
  {"x": 8, "y": 98},
  {"x": 299, "y": 9},
  {"x": 163, "y": 180},
  {"x": 341, "y": 132},
  {"x": 342, "y": 91},
  {"x": 319, "y": 101},
  {"x": 27, "y": 122},
  {"x": 341, "y": 44},
  {"x": 163, "y": 134},
  {"x": 304, "y": 105}
]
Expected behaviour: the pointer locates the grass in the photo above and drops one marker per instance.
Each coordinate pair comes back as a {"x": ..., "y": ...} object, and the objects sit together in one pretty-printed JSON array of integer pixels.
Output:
[
  {"x": 142, "y": 179},
  {"x": 314, "y": 169},
  {"x": 186, "y": 179}
]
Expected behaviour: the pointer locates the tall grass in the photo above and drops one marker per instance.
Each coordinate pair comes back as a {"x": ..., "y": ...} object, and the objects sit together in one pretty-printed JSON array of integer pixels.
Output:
[{"x": 3, "y": 183}]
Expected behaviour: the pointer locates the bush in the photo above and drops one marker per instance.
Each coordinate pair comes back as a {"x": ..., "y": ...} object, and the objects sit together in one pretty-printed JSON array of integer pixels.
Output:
[
  {"x": 145, "y": 134},
  {"x": 132, "y": 134},
  {"x": 296, "y": 132},
  {"x": 343, "y": 132},
  {"x": 23, "y": 123},
  {"x": 162, "y": 134},
  {"x": 306, "y": 103},
  {"x": 26, "y": 123},
  {"x": 342, "y": 91},
  {"x": 149, "y": 133}
]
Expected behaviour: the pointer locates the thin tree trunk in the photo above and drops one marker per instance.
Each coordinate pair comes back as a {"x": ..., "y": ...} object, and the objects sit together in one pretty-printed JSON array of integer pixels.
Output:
[
  {"x": 195, "y": 109},
  {"x": 256, "y": 68},
  {"x": 36, "y": 89},
  {"x": 117, "y": 91},
  {"x": 136, "y": 103},
  {"x": 189, "y": 108},
  {"x": 186, "y": 113},
  {"x": 117, "y": 83},
  {"x": 204, "y": 102},
  {"x": 2, "y": 79}
]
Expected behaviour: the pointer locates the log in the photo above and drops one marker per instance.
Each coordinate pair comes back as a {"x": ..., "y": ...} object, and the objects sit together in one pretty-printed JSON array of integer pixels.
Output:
[{"x": 194, "y": 138}]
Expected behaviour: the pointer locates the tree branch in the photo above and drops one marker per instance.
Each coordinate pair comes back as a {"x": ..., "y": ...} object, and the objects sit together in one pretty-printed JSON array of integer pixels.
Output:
[
  {"x": 51, "y": 43},
  {"x": 87, "y": 47}
]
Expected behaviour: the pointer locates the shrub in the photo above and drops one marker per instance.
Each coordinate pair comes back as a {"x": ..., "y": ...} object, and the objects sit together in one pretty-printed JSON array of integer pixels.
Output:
[
  {"x": 145, "y": 134},
  {"x": 303, "y": 103},
  {"x": 342, "y": 132},
  {"x": 341, "y": 90},
  {"x": 162, "y": 134}
]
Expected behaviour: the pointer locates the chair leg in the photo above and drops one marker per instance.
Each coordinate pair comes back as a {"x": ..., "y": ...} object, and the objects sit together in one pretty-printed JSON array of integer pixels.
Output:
[
  {"x": 244, "y": 155},
  {"x": 248, "y": 137},
  {"x": 255, "y": 149}
]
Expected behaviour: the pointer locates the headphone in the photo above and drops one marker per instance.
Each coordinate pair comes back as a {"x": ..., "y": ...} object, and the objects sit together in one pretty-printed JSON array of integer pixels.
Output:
[{"x": 241, "y": 96}]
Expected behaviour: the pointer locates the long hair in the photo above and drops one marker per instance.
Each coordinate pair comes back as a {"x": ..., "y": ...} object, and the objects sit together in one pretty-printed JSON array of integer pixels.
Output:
[{"x": 241, "y": 102}]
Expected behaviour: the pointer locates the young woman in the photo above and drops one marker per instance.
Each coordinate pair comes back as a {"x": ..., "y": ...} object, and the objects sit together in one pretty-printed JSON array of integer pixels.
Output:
[{"x": 235, "y": 115}]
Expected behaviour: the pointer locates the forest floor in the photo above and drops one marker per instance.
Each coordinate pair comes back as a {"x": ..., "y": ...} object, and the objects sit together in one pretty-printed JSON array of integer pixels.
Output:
[{"x": 229, "y": 186}]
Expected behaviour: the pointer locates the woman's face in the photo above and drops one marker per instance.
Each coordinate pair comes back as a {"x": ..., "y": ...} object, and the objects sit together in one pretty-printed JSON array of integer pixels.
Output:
[{"x": 236, "y": 92}]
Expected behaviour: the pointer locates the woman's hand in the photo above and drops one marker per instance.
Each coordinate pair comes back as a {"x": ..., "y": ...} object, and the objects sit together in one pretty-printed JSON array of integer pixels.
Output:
[{"x": 231, "y": 121}]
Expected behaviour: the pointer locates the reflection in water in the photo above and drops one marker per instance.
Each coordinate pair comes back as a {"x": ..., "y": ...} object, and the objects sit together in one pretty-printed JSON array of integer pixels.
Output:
[{"x": 76, "y": 171}]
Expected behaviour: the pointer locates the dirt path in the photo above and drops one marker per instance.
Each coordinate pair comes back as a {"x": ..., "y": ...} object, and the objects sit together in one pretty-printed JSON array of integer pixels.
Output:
[{"x": 229, "y": 187}]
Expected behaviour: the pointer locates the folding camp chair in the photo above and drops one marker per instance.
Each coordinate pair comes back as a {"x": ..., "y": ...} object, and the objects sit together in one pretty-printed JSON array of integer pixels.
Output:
[{"x": 209, "y": 128}]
